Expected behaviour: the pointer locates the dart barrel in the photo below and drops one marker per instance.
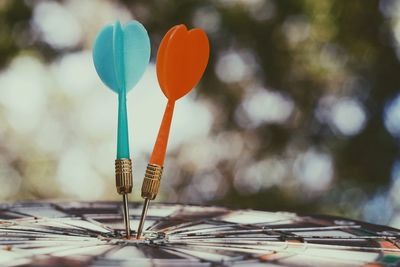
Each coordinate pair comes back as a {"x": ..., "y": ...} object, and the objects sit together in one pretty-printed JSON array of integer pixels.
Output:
[
  {"x": 152, "y": 180},
  {"x": 123, "y": 176}
]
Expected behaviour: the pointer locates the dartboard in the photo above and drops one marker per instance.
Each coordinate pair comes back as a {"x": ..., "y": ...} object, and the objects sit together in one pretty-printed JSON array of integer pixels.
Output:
[{"x": 91, "y": 234}]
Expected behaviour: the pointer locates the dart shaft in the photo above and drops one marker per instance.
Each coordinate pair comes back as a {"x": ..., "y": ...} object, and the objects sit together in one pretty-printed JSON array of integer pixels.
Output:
[
  {"x": 160, "y": 146},
  {"x": 126, "y": 215},
  {"x": 143, "y": 217},
  {"x": 122, "y": 132}
]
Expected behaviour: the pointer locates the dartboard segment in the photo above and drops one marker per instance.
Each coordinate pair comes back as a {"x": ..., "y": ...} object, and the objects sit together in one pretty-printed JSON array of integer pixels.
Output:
[{"x": 91, "y": 234}]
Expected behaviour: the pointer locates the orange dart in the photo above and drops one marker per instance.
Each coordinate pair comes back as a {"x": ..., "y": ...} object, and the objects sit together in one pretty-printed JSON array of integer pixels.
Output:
[{"x": 181, "y": 60}]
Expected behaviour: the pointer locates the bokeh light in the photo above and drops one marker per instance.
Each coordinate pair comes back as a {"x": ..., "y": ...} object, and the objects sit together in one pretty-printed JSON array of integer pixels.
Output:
[{"x": 392, "y": 116}]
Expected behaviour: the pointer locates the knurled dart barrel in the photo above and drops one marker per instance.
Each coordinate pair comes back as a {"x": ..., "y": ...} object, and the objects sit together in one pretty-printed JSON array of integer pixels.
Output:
[
  {"x": 123, "y": 176},
  {"x": 151, "y": 182}
]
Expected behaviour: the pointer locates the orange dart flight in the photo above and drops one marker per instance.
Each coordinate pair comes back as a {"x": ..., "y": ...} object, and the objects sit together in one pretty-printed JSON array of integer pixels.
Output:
[{"x": 181, "y": 60}]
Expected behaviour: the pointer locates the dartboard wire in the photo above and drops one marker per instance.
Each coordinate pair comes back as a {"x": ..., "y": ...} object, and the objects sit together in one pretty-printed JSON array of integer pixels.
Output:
[
  {"x": 43, "y": 223},
  {"x": 179, "y": 214},
  {"x": 71, "y": 230},
  {"x": 267, "y": 238},
  {"x": 183, "y": 256},
  {"x": 384, "y": 234},
  {"x": 181, "y": 224},
  {"x": 156, "y": 221},
  {"x": 274, "y": 222},
  {"x": 93, "y": 221},
  {"x": 61, "y": 233},
  {"x": 63, "y": 245},
  {"x": 28, "y": 236},
  {"x": 346, "y": 238},
  {"x": 227, "y": 239},
  {"x": 262, "y": 253},
  {"x": 185, "y": 248},
  {"x": 267, "y": 241},
  {"x": 252, "y": 254},
  {"x": 43, "y": 230},
  {"x": 60, "y": 209},
  {"x": 284, "y": 235},
  {"x": 339, "y": 227},
  {"x": 311, "y": 238},
  {"x": 182, "y": 228},
  {"x": 234, "y": 242},
  {"x": 267, "y": 230},
  {"x": 276, "y": 256},
  {"x": 104, "y": 255},
  {"x": 311, "y": 245},
  {"x": 27, "y": 254},
  {"x": 49, "y": 238},
  {"x": 222, "y": 247},
  {"x": 25, "y": 215},
  {"x": 172, "y": 225},
  {"x": 290, "y": 254},
  {"x": 374, "y": 235},
  {"x": 86, "y": 220},
  {"x": 26, "y": 246}
]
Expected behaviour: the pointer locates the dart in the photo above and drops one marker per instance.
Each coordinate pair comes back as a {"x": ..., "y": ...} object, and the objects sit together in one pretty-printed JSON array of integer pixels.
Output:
[
  {"x": 120, "y": 56},
  {"x": 181, "y": 61}
]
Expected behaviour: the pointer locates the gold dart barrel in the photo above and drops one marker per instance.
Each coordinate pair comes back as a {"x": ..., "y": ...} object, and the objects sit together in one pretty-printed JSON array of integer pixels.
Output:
[
  {"x": 123, "y": 176},
  {"x": 151, "y": 181},
  {"x": 124, "y": 184}
]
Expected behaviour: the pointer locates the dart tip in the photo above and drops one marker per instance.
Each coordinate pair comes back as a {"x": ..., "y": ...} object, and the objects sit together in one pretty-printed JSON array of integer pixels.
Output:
[
  {"x": 126, "y": 215},
  {"x": 143, "y": 217}
]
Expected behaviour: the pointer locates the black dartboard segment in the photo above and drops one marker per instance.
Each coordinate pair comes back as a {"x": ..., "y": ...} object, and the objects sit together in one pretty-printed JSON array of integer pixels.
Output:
[{"x": 90, "y": 234}]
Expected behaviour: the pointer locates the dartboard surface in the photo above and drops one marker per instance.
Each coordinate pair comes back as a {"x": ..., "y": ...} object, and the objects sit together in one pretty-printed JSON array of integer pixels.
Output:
[{"x": 91, "y": 234}]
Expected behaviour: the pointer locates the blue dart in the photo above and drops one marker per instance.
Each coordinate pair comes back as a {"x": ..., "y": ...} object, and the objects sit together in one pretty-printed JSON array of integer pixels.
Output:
[{"x": 121, "y": 55}]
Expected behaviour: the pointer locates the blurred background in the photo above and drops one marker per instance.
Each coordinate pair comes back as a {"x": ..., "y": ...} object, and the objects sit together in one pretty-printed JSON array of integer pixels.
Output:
[{"x": 299, "y": 108}]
